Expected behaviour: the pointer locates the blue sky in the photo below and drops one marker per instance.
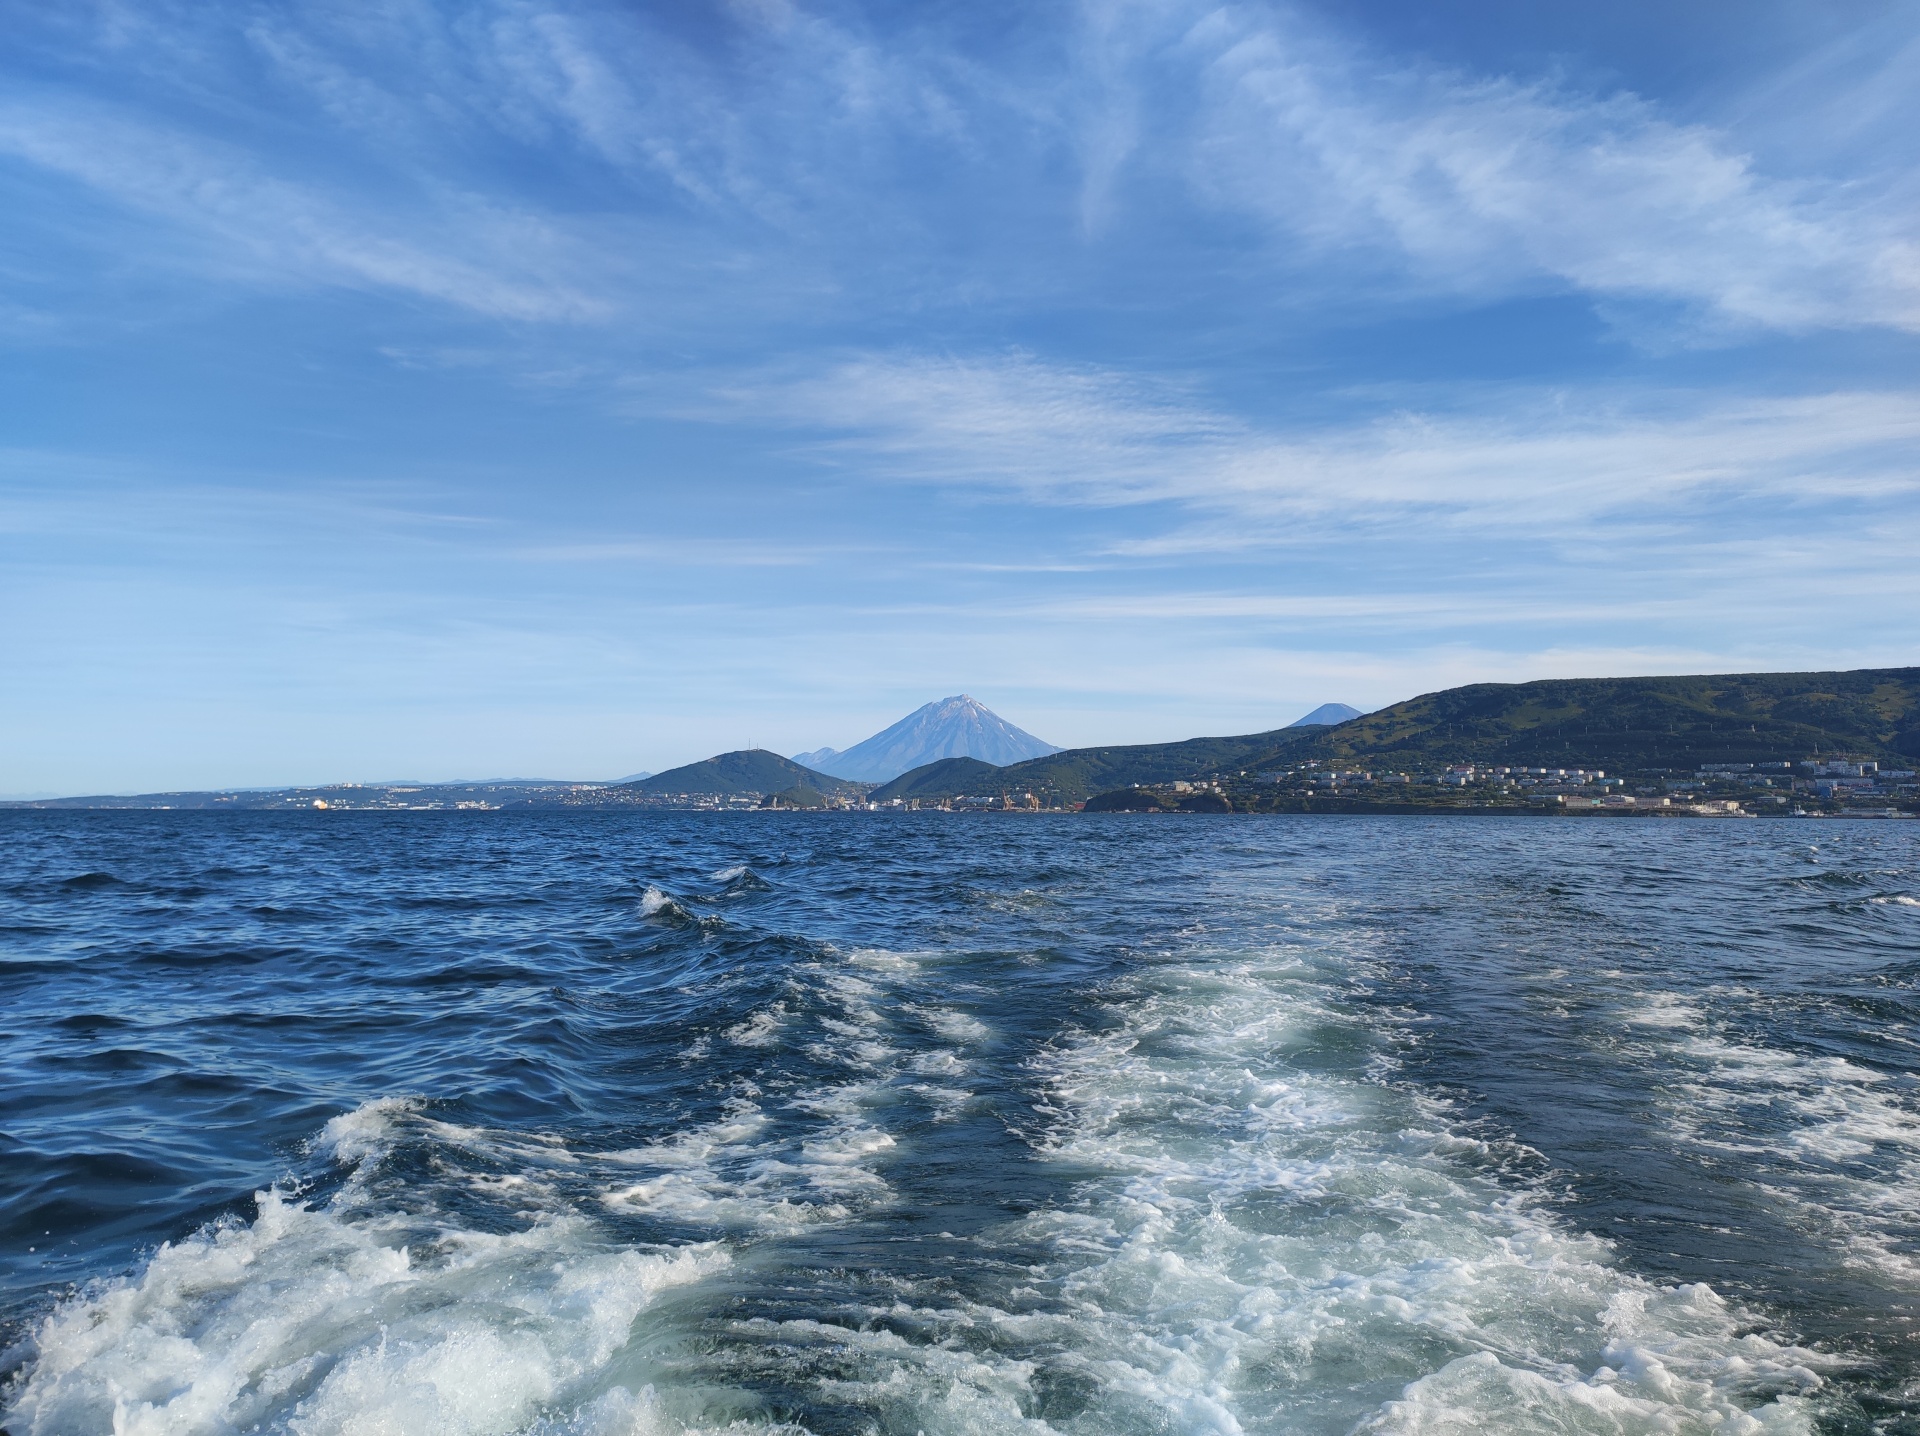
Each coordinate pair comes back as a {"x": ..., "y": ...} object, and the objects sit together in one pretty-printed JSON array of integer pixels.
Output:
[{"x": 569, "y": 388}]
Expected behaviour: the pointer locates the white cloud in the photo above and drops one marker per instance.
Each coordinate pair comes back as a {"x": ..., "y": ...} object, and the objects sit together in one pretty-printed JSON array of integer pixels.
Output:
[
  {"x": 1513, "y": 459},
  {"x": 472, "y": 254},
  {"x": 884, "y": 149},
  {"x": 1492, "y": 185},
  {"x": 1077, "y": 434}
]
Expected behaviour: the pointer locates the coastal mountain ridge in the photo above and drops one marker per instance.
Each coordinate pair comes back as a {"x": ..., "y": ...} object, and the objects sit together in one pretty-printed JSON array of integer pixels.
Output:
[
  {"x": 956, "y": 727},
  {"x": 1619, "y": 724},
  {"x": 1624, "y": 725}
]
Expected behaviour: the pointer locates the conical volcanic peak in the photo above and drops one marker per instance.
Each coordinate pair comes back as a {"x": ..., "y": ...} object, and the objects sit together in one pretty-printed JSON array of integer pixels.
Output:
[
  {"x": 1326, "y": 716},
  {"x": 956, "y": 727}
]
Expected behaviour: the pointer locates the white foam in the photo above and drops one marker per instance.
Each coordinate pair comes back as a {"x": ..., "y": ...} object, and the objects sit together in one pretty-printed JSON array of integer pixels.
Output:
[
  {"x": 1268, "y": 1243},
  {"x": 1262, "y": 1235},
  {"x": 737, "y": 1172},
  {"x": 760, "y": 1030},
  {"x": 887, "y": 960},
  {"x": 846, "y": 1145},
  {"x": 1831, "y": 1140},
  {"x": 325, "y": 1322},
  {"x": 750, "y": 1172},
  {"x": 1664, "y": 1009},
  {"x": 959, "y": 1027},
  {"x": 1272, "y": 1243},
  {"x": 949, "y": 1389},
  {"x": 366, "y": 1133},
  {"x": 654, "y": 902},
  {"x": 1479, "y": 1393},
  {"x": 354, "y": 1318},
  {"x": 947, "y": 1104}
]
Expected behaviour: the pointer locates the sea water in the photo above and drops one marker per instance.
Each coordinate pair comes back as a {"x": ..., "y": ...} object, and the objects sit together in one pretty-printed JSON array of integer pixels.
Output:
[{"x": 597, "y": 1123}]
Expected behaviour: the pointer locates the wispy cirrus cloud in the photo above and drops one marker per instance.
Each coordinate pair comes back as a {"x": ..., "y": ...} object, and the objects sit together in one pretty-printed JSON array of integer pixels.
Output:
[
  {"x": 1508, "y": 459},
  {"x": 498, "y": 158},
  {"x": 248, "y": 224},
  {"x": 1489, "y": 184}
]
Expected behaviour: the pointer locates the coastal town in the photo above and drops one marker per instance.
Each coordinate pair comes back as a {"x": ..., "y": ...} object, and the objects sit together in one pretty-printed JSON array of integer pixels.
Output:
[
  {"x": 1795, "y": 788},
  {"x": 1814, "y": 787}
]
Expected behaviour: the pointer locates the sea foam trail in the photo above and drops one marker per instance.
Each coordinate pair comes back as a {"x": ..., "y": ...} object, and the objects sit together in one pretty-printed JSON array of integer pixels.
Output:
[
  {"x": 786, "y": 1156},
  {"x": 1258, "y": 1232},
  {"x": 360, "y": 1316},
  {"x": 1832, "y": 1143},
  {"x": 1217, "y": 1207},
  {"x": 1282, "y": 1240},
  {"x": 1269, "y": 1236}
]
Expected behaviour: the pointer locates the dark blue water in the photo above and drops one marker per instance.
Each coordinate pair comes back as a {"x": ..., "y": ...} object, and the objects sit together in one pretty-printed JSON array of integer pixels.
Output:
[{"x": 617, "y": 1123}]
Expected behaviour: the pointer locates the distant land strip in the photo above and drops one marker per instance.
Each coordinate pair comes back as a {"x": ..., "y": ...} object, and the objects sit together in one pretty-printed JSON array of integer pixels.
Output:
[{"x": 1839, "y": 743}]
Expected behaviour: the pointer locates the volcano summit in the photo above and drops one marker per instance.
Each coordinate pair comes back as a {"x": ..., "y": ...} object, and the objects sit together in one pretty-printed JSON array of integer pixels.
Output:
[{"x": 957, "y": 727}]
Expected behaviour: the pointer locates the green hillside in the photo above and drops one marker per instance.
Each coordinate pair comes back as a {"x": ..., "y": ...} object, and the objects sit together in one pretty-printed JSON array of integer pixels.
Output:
[
  {"x": 1640, "y": 724},
  {"x": 750, "y": 770},
  {"x": 943, "y": 779},
  {"x": 1079, "y": 772},
  {"x": 1624, "y": 725}
]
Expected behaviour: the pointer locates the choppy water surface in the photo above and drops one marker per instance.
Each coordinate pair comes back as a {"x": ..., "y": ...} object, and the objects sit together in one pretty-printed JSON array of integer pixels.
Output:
[{"x": 607, "y": 1123}]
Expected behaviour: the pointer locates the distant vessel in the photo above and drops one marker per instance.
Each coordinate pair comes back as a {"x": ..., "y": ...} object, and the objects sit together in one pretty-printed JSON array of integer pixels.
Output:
[
  {"x": 956, "y": 727},
  {"x": 1326, "y": 715}
]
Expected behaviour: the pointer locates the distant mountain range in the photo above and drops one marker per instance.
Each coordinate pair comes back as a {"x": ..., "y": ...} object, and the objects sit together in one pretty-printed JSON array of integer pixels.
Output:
[
  {"x": 1625, "y": 725},
  {"x": 956, "y": 727},
  {"x": 1619, "y": 724}
]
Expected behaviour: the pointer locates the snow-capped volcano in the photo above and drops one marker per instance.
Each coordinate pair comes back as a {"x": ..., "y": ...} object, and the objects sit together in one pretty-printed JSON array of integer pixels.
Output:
[
  {"x": 1326, "y": 715},
  {"x": 956, "y": 727}
]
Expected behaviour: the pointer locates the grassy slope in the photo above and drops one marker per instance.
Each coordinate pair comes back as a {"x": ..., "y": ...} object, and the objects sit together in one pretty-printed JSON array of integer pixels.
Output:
[
  {"x": 942, "y": 779},
  {"x": 1078, "y": 772},
  {"x": 1642, "y": 723},
  {"x": 750, "y": 770}
]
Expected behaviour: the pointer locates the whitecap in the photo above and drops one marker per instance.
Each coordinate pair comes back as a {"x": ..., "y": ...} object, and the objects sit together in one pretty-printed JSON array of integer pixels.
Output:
[
  {"x": 366, "y": 1133},
  {"x": 655, "y": 903}
]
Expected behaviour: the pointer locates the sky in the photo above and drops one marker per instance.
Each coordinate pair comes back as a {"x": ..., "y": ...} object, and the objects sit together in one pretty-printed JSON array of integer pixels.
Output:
[{"x": 557, "y": 388}]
